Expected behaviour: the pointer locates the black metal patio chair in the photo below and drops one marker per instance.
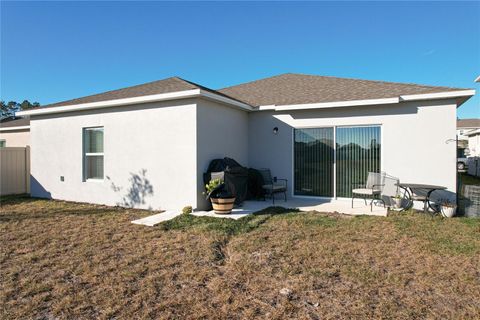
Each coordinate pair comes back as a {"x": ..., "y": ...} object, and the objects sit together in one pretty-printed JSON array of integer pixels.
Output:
[{"x": 271, "y": 186}]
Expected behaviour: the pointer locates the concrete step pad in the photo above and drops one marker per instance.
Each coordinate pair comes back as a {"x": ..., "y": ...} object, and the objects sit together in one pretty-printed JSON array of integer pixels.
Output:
[{"x": 157, "y": 218}]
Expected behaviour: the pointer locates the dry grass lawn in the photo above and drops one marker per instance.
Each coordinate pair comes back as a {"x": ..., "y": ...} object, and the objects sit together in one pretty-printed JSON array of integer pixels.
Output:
[{"x": 75, "y": 261}]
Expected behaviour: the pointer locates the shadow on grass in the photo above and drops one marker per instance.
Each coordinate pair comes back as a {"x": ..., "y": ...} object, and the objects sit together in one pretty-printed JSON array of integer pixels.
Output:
[
  {"x": 17, "y": 208},
  {"x": 16, "y": 199},
  {"x": 224, "y": 226}
]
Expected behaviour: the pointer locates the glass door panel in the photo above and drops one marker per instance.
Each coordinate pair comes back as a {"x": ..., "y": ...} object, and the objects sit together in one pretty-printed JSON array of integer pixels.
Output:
[
  {"x": 313, "y": 162},
  {"x": 357, "y": 153}
]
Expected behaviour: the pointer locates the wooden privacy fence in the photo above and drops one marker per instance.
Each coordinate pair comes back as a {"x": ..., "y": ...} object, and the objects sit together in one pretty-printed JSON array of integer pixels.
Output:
[{"x": 14, "y": 170}]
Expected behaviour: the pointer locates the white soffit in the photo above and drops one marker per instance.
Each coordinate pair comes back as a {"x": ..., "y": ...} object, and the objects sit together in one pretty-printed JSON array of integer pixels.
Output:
[
  {"x": 337, "y": 104},
  {"x": 352, "y": 103}
]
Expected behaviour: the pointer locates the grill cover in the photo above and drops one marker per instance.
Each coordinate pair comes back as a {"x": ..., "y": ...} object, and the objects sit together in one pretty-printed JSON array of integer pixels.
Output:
[{"x": 234, "y": 175}]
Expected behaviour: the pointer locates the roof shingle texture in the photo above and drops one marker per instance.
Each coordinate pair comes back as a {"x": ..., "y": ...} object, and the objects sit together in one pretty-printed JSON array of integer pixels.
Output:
[
  {"x": 468, "y": 123},
  {"x": 286, "y": 89},
  {"x": 168, "y": 85},
  {"x": 19, "y": 122}
]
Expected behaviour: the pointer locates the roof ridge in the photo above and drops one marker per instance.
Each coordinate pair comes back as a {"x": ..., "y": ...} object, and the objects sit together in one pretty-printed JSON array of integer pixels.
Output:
[
  {"x": 212, "y": 90},
  {"x": 343, "y": 78},
  {"x": 253, "y": 81},
  {"x": 380, "y": 81}
]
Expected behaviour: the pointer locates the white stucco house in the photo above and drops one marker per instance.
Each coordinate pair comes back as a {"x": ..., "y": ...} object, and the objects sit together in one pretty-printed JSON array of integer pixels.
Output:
[{"x": 148, "y": 145}]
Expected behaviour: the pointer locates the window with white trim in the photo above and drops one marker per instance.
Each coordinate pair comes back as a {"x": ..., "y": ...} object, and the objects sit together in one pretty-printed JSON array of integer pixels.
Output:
[
  {"x": 3, "y": 143},
  {"x": 93, "y": 153}
]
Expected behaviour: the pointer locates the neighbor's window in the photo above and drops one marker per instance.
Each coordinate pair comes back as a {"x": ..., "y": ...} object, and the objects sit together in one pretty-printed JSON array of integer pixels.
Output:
[
  {"x": 93, "y": 153},
  {"x": 3, "y": 143}
]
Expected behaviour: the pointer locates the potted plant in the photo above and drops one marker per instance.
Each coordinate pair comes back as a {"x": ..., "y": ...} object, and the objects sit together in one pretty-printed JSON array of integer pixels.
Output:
[
  {"x": 447, "y": 208},
  {"x": 222, "y": 201},
  {"x": 397, "y": 200}
]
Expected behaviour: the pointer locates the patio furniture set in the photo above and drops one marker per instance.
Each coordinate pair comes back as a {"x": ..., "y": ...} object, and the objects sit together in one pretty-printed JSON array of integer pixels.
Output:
[
  {"x": 228, "y": 183},
  {"x": 380, "y": 186}
]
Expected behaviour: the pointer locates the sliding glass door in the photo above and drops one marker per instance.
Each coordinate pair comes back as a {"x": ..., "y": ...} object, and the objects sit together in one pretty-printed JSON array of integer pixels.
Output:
[
  {"x": 313, "y": 162},
  {"x": 357, "y": 154},
  {"x": 325, "y": 162}
]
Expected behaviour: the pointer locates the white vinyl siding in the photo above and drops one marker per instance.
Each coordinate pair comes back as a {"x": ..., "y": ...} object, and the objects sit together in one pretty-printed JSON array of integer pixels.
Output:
[{"x": 93, "y": 153}]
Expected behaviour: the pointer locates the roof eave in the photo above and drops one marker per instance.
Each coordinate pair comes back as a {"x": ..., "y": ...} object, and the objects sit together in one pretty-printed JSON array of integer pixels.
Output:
[
  {"x": 2, "y": 129},
  {"x": 136, "y": 100},
  {"x": 461, "y": 96}
]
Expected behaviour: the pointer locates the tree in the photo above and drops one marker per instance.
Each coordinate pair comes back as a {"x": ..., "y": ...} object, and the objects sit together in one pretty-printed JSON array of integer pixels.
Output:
[
  {"x": 8, "y": 109},
  {"x": 25, "y": 105}
]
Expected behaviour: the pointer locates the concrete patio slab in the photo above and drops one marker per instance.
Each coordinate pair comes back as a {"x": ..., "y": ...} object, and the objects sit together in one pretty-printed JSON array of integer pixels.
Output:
[
  {"x": 340, "y": 206},
  {"x": 302, "y": 204},
  {"x": 236, "y": 214},
  {"x": 157, "y": 218}
]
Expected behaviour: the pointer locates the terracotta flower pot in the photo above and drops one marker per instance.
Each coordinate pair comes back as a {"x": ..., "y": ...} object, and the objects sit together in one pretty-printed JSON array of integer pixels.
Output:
[{"x": 222, "y": 205}]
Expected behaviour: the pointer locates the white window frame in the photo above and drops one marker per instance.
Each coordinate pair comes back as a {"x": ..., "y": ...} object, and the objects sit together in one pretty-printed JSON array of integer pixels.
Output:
[
  {"x": 88, "y": 154},
  {"x": 5, "y": 143}
]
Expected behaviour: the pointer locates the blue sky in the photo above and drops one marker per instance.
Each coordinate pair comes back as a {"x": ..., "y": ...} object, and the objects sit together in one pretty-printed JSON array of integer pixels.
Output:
[{"x": 52, "y": 51}]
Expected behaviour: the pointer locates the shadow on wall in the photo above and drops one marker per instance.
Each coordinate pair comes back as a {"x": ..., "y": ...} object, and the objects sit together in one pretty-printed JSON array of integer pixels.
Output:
[
  {"x": 139, "y": 189},
  {"x": 37, "y": 190},
  {"x": 361, "y": 111}
]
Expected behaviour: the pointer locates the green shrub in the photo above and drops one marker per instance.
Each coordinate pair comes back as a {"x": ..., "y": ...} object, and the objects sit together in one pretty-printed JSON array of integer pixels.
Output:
[{"x": 187, "y": 210}]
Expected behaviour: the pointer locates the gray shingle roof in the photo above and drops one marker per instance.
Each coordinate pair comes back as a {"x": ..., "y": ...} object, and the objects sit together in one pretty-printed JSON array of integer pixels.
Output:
[
  {"x": 168, "y": 85},
  {"x": 284, "y": 89},
  {"x": 12, "y": 122},
  {"x": 289, "y": 88},
  {"x": 468, "y": 123}
]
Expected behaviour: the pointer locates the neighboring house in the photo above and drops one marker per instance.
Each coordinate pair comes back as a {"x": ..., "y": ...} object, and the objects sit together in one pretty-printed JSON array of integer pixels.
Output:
[
  {"x": 466, "y": 125},
  {"x": 14, "y": 132},
  {"x": 474, "y": 143},
  {"x": 149, "y": 145}
]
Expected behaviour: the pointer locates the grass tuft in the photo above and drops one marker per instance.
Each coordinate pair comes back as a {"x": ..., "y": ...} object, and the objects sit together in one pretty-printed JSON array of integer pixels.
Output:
[{"x": 225, "y": 226}]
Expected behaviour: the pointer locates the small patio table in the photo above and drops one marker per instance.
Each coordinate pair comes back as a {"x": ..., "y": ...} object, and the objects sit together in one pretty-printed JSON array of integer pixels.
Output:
[{"x": 411, "y": 194}]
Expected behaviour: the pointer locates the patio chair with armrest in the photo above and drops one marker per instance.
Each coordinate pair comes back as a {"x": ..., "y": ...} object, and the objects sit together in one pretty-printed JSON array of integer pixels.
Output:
[
  {"x": 371, "y": 189},
  {"x": 390, "y": 189},
  {"x": 271, "y": 186}
]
